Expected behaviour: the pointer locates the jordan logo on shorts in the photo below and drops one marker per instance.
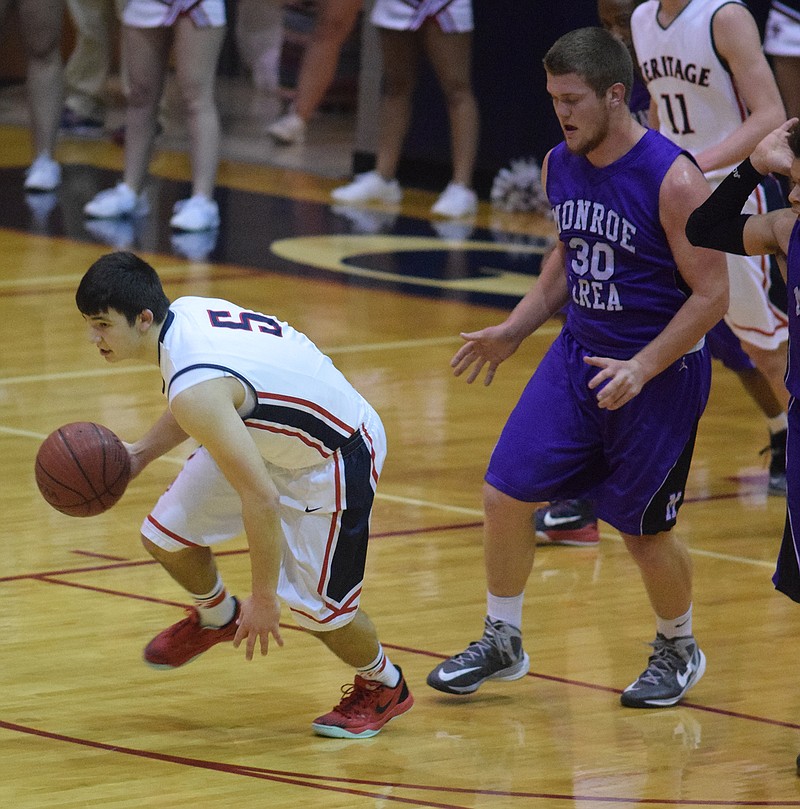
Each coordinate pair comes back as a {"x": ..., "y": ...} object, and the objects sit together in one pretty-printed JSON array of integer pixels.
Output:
[{"x": 672, "y": 505}]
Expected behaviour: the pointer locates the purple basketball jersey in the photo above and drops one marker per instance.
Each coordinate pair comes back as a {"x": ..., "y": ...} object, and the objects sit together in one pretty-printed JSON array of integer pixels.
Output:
[
  {"x": 622, "y": 277},
  {"x": 793, "y": 311}
]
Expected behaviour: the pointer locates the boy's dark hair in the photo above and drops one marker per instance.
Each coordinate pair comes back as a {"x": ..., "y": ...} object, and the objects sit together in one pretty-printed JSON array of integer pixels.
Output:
[
  {"x": 794, "y": 140},
  {"x": 125, "y": 283},
  {"x": 595, "y": 55}
]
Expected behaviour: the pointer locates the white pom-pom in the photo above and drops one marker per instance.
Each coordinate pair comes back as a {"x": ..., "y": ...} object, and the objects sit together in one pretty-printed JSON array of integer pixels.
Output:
[{"x": 519, "y": 188}]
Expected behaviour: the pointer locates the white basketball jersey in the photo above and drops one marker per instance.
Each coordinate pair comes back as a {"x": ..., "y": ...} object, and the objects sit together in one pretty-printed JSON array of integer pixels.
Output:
[
  {"x": 698, "y": 104},
  {"x": 302, "y": 409}
]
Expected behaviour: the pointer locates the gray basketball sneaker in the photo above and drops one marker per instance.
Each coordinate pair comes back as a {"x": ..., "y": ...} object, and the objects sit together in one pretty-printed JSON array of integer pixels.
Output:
[
  {"x": 673, "y": 668},
  {"x": 498, "y": 655}
]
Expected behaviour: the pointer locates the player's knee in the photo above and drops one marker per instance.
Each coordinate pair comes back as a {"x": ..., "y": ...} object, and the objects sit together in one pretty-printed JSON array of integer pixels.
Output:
[{"x": 154, "y": 550}]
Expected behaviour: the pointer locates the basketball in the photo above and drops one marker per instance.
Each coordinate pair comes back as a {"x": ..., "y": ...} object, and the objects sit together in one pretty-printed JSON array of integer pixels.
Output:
[{"x": 82, "y": 469}]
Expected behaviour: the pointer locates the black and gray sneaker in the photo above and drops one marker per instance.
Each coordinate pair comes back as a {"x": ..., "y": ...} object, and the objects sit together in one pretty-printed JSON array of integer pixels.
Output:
[
  {"x": 674, "y": 667},
  {"x": 777, "y": 463},
  {"x": 498, "y": 655}
]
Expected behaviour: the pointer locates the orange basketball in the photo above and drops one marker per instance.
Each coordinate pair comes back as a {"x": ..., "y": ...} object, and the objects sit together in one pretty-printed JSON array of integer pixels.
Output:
[{"x": 82, "y": 469}]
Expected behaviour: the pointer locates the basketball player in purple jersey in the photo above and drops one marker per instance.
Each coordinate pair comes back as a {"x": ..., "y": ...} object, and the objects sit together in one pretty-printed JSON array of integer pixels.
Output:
[
  {"x": 573, "y": 522},
  {"x": 612, "y": 410},
  {"x": 719, "y": 223}
]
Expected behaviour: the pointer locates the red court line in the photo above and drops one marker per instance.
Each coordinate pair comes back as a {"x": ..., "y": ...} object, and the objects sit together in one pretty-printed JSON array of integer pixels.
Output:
[{"x": 314, "y": 781}]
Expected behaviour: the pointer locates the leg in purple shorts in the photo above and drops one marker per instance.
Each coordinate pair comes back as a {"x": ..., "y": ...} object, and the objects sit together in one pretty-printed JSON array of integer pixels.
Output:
[
  {"x": 787, "y": 574},
  {"x": 632, "y": 462},
  {"x": 726, "y": 347}
]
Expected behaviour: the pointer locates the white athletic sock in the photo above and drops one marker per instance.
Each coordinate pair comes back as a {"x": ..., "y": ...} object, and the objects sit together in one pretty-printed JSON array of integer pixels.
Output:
[
  {"x": 381, "y": 670},
  {"x": 777, "y": 423},
  {"x": 508, "y": 609},
  {"x": 217, "y": 607},
  {"x": 680, "y": 627}
]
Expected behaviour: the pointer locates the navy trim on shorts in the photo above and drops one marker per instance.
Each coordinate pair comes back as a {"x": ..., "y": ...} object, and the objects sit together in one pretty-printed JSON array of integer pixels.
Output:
[{"x": 350, "y": 556}]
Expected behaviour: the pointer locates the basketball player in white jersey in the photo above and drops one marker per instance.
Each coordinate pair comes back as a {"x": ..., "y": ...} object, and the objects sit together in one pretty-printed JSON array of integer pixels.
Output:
[
  {"x": 289, "y": 453},
  {"x": 714, "y": 94}
]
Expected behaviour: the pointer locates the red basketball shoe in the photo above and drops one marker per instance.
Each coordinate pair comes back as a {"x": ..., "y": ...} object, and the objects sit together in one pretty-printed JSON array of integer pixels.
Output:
[
  {"x": 365, "y": 708},
  {"x": 567, "y": 522},
  {"x": 183, "y": 642}
]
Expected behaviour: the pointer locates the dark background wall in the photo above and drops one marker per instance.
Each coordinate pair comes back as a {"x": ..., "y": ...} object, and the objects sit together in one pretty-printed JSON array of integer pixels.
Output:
[{"x": 511, "y": 38}]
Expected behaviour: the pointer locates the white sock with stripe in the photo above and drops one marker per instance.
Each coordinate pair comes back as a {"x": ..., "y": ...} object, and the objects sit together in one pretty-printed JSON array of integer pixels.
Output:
[
  {"x": 216, "y": 607},
  {"x": 381, "y": 670}
]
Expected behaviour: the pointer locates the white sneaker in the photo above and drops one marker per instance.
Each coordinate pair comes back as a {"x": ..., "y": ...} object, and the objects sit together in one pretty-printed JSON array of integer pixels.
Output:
[
  {"x": 194, "y": 214},
  {"x": 121, "y": 200},
  {"x": 44, "y": 174},
  {"x": 289, "y": 129},
  {"x": 455, "y": 201},
  {"x": 369, "y": 187}
]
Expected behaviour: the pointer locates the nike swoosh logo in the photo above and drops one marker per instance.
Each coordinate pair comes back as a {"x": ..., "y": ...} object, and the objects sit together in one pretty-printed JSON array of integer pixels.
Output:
[
  {"x": 382, "y": 708},
  {"x": 683, "y": 677},
  {"x": 451, "y": 675},
  {"x": 553, "y": 522},
  {"x": 310, "y": 510}
]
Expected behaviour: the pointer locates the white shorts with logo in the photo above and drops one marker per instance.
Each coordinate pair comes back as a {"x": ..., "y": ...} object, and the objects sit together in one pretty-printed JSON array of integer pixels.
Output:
[
  {"x": 324, "y": 512},
  {"x": 157, "y": 14},
  {"x": 782, "y": 34},
  {"x": 453, "y": 16}
]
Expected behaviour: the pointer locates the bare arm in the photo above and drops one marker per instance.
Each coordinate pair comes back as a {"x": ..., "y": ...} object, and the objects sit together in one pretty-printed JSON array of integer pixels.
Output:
[
  {"x": 738, "y": 42},
  {"x": 494, "y": 344},
  {"x": 164, "y": 435},
  {"x": 704, "y": 271},
  {"x": 719, "y": 224},
  {"x": 207, "y": 411}
]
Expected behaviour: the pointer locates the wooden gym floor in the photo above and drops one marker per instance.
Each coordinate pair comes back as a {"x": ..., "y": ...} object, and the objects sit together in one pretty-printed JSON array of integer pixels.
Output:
[{"x": 84, "y": 723}]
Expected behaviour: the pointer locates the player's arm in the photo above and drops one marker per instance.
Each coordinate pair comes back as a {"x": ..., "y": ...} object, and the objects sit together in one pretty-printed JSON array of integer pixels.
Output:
[
  {"x": 207, "y": 411},
  {"x": 652, "y": 115},
  {"x": 491, "y": 346},
  {"x": 704, "y": 271},
  {"x": 719, "y": 224},
  {"x": 738, "y": 43},
  {"x": 163, "y": 436}
]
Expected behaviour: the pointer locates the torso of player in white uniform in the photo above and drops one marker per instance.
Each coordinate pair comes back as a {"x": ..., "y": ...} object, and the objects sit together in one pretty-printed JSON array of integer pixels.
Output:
[
  {"x": 301, "y": 407},
  {"x": 696, "y": 96}
]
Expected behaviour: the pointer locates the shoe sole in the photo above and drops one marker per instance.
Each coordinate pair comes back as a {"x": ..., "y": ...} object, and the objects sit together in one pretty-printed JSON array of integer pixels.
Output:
[
  {"x": 515, "y": 672},
  {"x": 334, "y": 732},
  {"x": 543, "y": 539},
  {"x": 667, "y": 703}
]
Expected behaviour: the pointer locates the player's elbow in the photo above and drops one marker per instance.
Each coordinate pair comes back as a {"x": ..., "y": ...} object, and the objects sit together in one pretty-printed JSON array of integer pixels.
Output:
[{"x": 695, "y": 225}]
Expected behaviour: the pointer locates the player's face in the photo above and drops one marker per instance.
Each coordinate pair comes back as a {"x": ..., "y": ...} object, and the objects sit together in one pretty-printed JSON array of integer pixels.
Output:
[
  {"x": 583, "y": 116},
  {"x": 794, "y": 194},
  {"x": 114, "y": 337},
  {"x": 615, "y": 17}
]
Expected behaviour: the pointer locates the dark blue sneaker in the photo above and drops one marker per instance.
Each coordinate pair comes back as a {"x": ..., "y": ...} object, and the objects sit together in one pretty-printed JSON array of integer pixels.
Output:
[
  {"x": 567, "y": 522},
  {"x": 498, "y": 655},
  {"x": 674, "y": 667}
]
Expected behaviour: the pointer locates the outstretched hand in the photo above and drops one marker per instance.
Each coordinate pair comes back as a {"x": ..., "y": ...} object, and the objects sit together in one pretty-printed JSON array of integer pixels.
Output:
[
  {"x": 623, "y": 380},
  {"x": 259, "y": 618},
  {"x": 773, "y": 153},
  {"x": 488, "y": 346}
]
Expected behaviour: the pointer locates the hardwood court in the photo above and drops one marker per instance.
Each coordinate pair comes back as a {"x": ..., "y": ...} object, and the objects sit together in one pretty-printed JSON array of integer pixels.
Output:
[{"x": 84, "y": 723}]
